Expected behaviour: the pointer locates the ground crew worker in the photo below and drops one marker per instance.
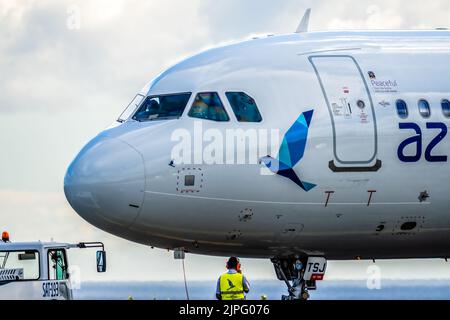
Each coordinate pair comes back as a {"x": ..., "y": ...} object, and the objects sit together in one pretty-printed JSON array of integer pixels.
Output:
[{"x": 232, "y": 285}]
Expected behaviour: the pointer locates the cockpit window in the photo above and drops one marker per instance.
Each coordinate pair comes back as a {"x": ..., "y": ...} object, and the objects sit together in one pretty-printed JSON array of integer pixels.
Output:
[
  {"x": 244, "y": 107},
  {"x": 131, "y": 108},
  {"x": 208, "y": 106},
  {"x": 162, "y": 107}
]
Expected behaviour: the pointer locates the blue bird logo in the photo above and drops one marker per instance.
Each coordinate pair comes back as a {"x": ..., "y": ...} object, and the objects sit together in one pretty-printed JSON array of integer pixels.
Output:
[
  {"x": 232, "y": 286},
  {"x": 292, "y": 150}
]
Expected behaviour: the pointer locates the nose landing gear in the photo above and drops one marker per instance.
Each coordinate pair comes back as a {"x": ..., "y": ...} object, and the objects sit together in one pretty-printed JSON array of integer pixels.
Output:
[{"x": 299, "y": 274}]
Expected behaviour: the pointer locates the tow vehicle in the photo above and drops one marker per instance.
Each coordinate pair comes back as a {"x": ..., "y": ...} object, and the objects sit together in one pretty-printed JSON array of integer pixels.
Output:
[{"x": 39, "y": 270}]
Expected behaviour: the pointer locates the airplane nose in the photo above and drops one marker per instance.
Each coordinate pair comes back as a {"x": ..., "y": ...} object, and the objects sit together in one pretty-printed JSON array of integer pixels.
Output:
[{"x": 105, "y": 183}]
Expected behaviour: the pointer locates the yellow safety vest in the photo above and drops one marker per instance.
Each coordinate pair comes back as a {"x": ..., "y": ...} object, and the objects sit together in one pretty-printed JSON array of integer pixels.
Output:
[{"x": 232, "y": 286}]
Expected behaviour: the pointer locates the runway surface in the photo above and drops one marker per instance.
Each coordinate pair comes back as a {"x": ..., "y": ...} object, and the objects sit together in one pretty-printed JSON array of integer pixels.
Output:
[{"x": 328, "y": 290}]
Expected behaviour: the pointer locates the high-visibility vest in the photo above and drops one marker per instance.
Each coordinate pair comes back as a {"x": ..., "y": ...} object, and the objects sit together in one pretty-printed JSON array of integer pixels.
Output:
[{"x": 232, "y": 286}]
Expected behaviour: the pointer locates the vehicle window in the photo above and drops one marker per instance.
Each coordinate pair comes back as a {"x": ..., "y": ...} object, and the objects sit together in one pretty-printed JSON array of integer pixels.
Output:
[
  {"x": 402, "y": 109},
  {"x": 424, "y": 108},
  {"x": 19, "y": 265},
  {"x": 244, "y": 107},
  {"x": 57, "y": 265},
  {"x": 446, "y": 108},
  {"x": 163, "y": 107},
  {"x": 208, "y": 106},
  {"x": 129, "y": 110}
]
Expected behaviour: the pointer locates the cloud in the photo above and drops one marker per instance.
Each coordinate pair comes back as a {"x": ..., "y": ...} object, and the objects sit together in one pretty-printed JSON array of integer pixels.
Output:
[
  {"x": 62, "y": 83},
  {"x": 119, "y": 45}
]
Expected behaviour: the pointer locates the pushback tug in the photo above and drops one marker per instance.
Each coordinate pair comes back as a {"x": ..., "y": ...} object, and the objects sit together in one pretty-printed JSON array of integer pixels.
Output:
[{"x": 39, "y": 270}]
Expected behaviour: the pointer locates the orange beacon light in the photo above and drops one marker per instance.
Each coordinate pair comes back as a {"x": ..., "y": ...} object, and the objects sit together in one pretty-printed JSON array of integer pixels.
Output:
[{"x": 5, "y": 236}]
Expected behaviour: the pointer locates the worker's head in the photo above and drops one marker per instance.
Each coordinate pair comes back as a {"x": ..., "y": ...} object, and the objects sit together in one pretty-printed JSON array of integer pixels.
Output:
[{"x": 234, "y": 263}]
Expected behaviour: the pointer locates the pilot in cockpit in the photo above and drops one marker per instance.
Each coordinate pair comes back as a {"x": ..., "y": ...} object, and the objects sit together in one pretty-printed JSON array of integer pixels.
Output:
[{"x": 150, "y": 110}]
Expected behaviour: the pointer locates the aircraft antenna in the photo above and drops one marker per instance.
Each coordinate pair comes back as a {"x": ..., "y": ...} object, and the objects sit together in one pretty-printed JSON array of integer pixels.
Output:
[{"x": 304, "y": 24}]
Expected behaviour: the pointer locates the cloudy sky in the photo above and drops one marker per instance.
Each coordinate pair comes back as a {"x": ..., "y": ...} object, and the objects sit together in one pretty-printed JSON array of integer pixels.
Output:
[{"x": 68, "y": 68}]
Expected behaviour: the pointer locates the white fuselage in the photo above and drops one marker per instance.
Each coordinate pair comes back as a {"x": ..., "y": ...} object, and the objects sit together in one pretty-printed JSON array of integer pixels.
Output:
[{"x": 369, "y": 201}]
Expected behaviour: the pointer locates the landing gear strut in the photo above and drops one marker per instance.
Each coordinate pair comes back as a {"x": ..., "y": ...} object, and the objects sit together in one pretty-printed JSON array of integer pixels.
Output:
[{"x": 299, "y": 274}]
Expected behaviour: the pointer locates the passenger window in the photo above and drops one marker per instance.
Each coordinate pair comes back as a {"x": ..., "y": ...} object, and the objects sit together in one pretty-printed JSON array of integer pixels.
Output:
[
  {"x": 162, "y": 107},
  {"x": 424, "y": 108},
  {"x": 244, "y": 107},
  {"x": 57, "y": 265},
  {"x": 446, "y": 108},
  {"x": 402, "y": 109},
  {"x": 208, "y": 106}
]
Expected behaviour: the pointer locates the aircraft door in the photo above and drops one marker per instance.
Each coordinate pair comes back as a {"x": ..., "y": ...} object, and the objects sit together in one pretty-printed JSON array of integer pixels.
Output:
[{"x": 352, "y": 113}]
